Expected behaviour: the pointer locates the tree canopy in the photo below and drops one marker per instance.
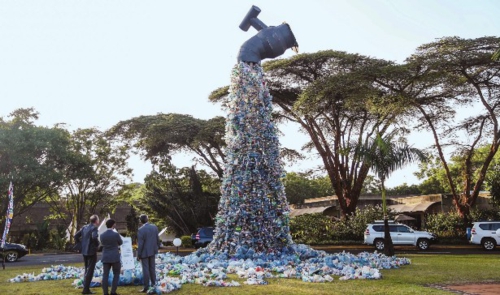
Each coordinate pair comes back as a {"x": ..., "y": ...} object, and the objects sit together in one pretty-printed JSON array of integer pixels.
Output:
[
  {"x": 440, "y": 78},
  {"x": 184, "y": 199},
  {"x": 159, "y": 136},
  {"x": 333, "y": 100},
  {"x": 34, "y": 158},
  {"x": 301, "y": 186}
]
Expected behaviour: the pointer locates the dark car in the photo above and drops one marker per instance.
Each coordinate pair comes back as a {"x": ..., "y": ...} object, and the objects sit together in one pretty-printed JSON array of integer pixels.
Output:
[
  {"x": 204, "y": 236},
  {"x": 13, "y": 251}
]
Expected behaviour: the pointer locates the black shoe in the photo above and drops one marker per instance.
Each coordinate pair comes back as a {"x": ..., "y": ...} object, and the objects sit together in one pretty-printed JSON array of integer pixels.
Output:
[
  {"x": 88, "y": 292},
  {"x": 115, "y": 294}
]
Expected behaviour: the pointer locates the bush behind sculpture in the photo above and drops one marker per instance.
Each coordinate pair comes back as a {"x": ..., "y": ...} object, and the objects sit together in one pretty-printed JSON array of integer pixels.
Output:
[
  {"x": 321, "y": 229},
  {"x": 186, "y": 241}
]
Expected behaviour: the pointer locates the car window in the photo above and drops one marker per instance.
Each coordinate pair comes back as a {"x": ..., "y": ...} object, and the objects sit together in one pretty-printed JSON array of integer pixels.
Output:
[
  {"x": 495, "y": 226},
  {"x": 393, "y": 228},
  {"x": 378, "y": 228},
  {"x": 208, "y": 232},
  {"x": 485, "y": 226},
  {"x": 403, "y": 229}
]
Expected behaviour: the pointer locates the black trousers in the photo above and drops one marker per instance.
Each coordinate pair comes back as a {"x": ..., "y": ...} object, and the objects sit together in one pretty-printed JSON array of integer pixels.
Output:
[
  {"x": 149, "y": 271},
  {"x": 90, "y": 261},
  {"x": 105, "y": 277}
]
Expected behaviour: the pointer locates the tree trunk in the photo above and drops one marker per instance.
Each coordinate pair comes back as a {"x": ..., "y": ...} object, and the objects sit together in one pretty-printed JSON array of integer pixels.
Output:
[{"x": 388, "y": 245}]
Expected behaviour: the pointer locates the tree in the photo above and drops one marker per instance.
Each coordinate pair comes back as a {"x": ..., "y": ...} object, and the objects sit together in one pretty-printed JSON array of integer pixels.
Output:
[
  {"x": 301, "y": 186},
  {"x": 183, "y": 199},
  {"x": 384, "y": 155},
  {"x": 160, "y": 136},
  {"x": 330, "y": 96},
  {"x": 132, "y": 220},
  {"x": 404, "y": 190},
  {"x": 496, "y": 55},
  {"x": 34, "y": 158},
  {"x": 443, "y": 76},
  {"x": 98, "y": 173}
]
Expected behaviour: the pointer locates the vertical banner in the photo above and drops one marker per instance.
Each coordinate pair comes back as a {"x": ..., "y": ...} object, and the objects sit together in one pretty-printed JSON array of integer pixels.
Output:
[
  {"x": 127, "y": 254},
  {"x": 9, "y": 215}
]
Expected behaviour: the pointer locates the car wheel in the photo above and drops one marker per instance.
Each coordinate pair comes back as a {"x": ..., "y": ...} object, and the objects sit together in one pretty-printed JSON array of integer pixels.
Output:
[
  {"x": 423, "y": 244},
  {"x": 379, "y": 244},
  {"x": 11, "y": 256},
  {"x": 488, "y": 244}
]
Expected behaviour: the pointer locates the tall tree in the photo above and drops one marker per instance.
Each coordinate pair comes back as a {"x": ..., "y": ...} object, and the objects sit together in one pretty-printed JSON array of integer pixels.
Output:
[
  {"x": 330, "y": 96},
  {"x": 33, "y": 157},
  {"x": 160, "y": 136},
  {"x": 496, "y": 55},
  {"x": 184, "y": 199},
  {"x": 93, "y": 183},
  {"x": 441, "y": 77},
  {"x": 301, "y": 186},
  {"x": 385, "y": 155}
]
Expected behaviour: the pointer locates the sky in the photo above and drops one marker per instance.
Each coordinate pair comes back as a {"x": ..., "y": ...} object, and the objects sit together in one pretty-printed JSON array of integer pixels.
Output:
[{"x": 94, "y": 63}]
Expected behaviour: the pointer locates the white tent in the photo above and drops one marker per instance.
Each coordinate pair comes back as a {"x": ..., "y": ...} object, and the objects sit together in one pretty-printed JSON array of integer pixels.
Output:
[
  {"x": 102, "y": 227},
  {"x": 166, "y": 236}
]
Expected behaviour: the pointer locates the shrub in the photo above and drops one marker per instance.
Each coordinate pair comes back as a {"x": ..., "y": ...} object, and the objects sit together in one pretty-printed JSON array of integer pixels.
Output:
[
  {"x": 320, "y": 229},
  {"x": 311, "y": 228},
  {"x": 29, "y": 240},
  {"x": 186, "y": 241},
  {"x": 485, "y": 215},
  {"x": 446, "y": 225},
  {"x": 58, "y": 238},
  {"x": 42, "y": 235},
  {"x": 353, "y": 228}
]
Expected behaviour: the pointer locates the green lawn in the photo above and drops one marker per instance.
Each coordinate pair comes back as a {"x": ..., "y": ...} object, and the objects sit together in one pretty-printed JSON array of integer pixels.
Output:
[{"x": 410, "y": 279}]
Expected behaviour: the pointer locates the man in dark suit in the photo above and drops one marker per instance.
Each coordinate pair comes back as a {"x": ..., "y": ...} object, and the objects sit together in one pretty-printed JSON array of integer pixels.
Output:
[
  {"x": 88, "y": 238},
  {"x": 149, "y": 242},
  {"x": 110, "y": 241}
]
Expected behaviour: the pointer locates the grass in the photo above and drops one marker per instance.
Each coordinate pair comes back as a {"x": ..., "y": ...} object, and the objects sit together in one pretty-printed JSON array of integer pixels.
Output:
[{"x": 410, "y": 279}]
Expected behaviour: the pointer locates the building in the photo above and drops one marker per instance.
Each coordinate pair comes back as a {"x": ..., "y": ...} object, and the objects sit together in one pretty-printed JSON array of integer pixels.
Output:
[
  {"x": 29, "y": 221},
  {"x": 409, "y": 209}
]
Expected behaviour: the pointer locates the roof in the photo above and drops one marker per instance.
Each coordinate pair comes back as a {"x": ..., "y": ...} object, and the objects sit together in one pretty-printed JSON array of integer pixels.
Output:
[
  {"x": 402, "y": 217},
  {"x": 297, "y": 212},
  {"x": 321, "y": 199},
  {"x": 420, "y": 207}
]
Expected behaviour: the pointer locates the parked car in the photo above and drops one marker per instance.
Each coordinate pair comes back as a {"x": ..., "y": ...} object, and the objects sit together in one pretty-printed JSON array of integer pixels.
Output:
[
  {"x": 401, "y": 235},
  {"x": 13, "y": 251},
  {"x": 485, "y": 233},
  {"x": 204, "y": 236},
  {"x": 193, "y": 239}
]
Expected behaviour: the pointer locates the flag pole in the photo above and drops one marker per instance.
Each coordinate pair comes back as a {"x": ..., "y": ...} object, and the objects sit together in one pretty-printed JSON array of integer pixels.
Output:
[
  {"x": 3, "y": 257},
  {"x": 8, "y": 220}
]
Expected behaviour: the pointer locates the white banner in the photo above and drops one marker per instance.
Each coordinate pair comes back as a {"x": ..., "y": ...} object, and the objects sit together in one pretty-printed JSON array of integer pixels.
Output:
[{"x": 127, "y": 253}]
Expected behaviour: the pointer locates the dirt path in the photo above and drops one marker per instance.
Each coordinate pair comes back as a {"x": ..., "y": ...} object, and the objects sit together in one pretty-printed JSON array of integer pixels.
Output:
[{"x": 473, "y": 289}]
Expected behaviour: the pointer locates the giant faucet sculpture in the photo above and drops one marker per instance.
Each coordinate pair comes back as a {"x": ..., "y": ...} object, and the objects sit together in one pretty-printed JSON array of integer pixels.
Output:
[
  {"x": 253, "y": 212},
  {"x": 270, "y": 42}
]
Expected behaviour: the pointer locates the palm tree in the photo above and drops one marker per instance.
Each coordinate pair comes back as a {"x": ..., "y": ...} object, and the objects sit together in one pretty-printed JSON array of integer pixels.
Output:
[
  {"x": 496, "y": 55},
  {"x": 385, "y": 155}
]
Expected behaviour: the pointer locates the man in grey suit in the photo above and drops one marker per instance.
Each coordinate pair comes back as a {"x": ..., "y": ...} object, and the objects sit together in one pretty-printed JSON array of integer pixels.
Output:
[
  {"x": 88, "y": 238},
  {"x": 149, "y": 242},
  {"x": 110, "y": 241}
]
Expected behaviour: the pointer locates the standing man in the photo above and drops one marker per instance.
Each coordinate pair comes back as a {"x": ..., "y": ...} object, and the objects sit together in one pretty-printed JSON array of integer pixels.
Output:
[
  {"x": 88, "y": 238},
  {"x": 110, "y": 241},
  {"x": 148, "y": 241}
]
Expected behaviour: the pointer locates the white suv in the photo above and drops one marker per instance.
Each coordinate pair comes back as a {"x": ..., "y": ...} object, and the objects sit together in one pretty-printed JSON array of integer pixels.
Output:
[
  {"x": 485, "y": 233},
  {"x": 400, "y": 234}
]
